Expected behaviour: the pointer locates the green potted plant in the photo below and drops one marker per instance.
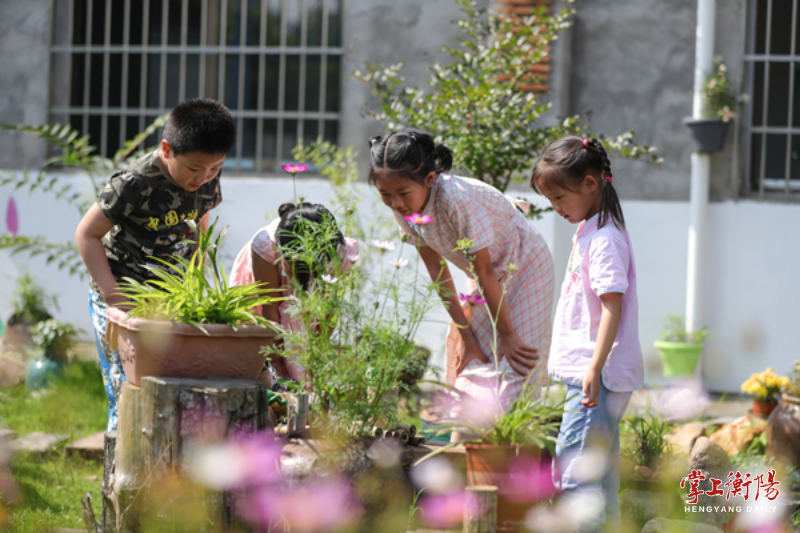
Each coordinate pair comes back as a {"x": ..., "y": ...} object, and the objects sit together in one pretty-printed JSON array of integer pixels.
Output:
[
  {"x": 30, "y": 308},
  {"x": 648, "y": 450},
  {"x": 765, "y": 388},
  {"x": 190, "y": 322},
  {"x": 53, "y": 339},
  {"x": 679, "y": 349},
  {"x": 719, "y": 104}
]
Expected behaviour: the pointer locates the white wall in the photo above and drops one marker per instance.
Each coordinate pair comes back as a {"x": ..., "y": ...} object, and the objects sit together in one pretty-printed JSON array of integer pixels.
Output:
[{"x": 751, "y": 289}]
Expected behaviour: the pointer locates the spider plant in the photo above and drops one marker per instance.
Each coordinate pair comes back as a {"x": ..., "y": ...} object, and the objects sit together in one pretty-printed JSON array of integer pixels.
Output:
[{"x": 196, "y": 291}]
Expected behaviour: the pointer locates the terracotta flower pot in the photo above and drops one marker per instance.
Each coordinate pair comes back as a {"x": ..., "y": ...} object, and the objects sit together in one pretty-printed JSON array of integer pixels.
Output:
[
  {"x": 783, "y": 431},
  {"x": 157, "y": 348},
  {"x": 489, "y": 464},
  {"x": 763, "y": 408}
]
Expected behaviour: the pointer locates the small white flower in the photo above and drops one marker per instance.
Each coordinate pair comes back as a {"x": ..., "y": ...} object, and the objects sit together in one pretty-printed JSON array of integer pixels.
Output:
[
  {"x": 384, "y": 246},
  {"x": 352, "y": 257},
  {"x": 327, "y": 278},
  {"x": 399, "y": 263}
]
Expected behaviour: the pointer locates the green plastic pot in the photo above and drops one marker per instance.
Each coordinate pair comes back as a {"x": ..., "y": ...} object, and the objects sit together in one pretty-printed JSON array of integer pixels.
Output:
[{"x": 679, "y": 358}]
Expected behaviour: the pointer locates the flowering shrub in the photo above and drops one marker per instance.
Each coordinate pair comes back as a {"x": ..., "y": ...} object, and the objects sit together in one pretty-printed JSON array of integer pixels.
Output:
[
  {"x": 765, "y": 386},
  {"x": 793, "y": 387},
  {"x": 718, "y": 94}
]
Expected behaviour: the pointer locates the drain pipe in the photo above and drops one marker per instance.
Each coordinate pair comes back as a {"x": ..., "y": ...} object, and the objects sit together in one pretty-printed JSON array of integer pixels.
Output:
[{"x": 701, "y": 169}]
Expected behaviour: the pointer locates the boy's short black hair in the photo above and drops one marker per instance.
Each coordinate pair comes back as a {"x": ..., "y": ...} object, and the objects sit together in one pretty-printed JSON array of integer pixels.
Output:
[{"x": 200, "y": 125}]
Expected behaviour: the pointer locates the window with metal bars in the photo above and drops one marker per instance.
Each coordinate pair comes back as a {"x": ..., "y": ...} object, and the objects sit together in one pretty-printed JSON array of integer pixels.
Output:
[
  {"x": 276, "y": 64},
  {"x": 773, "y": 116}
]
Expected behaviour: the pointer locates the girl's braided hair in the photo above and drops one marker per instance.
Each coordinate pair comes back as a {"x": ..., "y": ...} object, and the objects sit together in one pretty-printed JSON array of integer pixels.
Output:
[
  {"x": 567, "y": 161},
  {"x": 409, "y": 154}
]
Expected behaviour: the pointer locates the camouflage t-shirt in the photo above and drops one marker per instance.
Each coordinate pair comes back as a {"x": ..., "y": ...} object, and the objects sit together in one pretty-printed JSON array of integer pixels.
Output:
[{"x": 149, "y": 211}]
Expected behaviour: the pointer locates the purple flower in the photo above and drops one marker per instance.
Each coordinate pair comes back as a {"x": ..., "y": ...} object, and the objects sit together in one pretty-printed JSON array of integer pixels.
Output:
[
  {"x": 447, "y": 510},
  {"x": 294, "y": 168},
  {"x": 245, "y": 461},
  {"x": 320, "y": 505},
  {"x": 419, "y": 220},
  {"x": 529, "y": 481},
  {"x": 472, "y": 299}
]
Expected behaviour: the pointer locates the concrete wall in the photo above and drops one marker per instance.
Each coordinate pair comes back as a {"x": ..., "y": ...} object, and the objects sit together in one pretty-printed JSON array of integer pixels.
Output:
[
  {"x": 24, "y": 77},
  {"x": 632, "y": 68},
  {"x": 751, "y": 294}
]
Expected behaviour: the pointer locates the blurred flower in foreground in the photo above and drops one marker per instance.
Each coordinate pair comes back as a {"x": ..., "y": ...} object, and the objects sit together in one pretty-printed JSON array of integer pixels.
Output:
[
  {"x": 478, "y": 410},
  {"x": 419, "y": 220},
  {"x": 574, "y": 511},
  {"x": 447, "y": 510},
  {"x": 682, "y": 403},
  {"x": 436, "y": 476},
  {"x": 472, "y": 299},
  {"x": 244, "y": 461},
  {"x": 321, "y": 505},
  {"x": 399, "y": 263},
  {"x": 529, "y": 481},
  {"x": 327, "y": 278},
  {"x": 383, "y": 246}
]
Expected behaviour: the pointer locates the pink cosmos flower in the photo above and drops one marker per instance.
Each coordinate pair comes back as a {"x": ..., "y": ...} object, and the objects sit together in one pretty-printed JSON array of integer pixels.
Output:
[
  {"x": 383, "y": 246},
  {"x": 472, "y": 299},
  {"x": 419, "y": 220},
  {"x": 529, "y": 481},
  {"x": 244, "y": 461},
  {"x": 447, "y": 510},
  {"x": 294, "y": 168},
  {"x": 321, "y": 505}
]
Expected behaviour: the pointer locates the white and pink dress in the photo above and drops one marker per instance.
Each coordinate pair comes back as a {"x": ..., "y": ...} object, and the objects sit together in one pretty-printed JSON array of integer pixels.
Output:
[{"x": 265, "y": 244}]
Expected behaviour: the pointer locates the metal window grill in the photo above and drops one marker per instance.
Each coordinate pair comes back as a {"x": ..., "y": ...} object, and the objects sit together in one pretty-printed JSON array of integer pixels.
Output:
[
  {"x": 773, "y": 116},
  {"x": 276, "y": 64}
]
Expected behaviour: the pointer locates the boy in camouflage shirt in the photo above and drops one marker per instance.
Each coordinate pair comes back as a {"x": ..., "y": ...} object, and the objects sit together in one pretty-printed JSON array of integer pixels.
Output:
[{"x": 142, "y": 213}]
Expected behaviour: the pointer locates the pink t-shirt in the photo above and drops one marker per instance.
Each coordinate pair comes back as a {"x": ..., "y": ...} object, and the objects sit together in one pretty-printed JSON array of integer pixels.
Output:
[{"x": 601, "y": 262}]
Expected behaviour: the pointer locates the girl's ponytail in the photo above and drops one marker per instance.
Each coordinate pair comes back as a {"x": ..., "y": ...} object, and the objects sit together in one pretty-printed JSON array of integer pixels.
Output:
[
  {"x": 609, "y": 200},
  {"x": 443, "y": 158}
]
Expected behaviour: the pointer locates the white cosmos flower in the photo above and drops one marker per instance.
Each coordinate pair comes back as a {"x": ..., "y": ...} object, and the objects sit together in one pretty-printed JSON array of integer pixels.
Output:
[
  {"x": 384, "y": 246},
  {"x": 327, "y": 278},
  {"x": 353, "y": 257},
  {"x": 399, "y": 262}
]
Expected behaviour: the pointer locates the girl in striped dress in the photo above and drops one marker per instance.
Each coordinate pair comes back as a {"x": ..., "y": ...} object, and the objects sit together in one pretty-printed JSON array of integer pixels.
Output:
[{"x": 435, "y": 210}]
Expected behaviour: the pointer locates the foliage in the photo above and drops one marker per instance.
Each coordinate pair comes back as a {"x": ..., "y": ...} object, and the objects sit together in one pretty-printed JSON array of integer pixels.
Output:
[
  {"x": 674, "y": 331},
  {"x": 793, "y": 387},
  {"x": 719, "y": 99},
  {"x": 50, "y": 487},
  {"x": 54, "y": 336},
  {"x": 357, "y": 337},
  {"x": 30, "y": 302},
  {"x": 650, "y": 447},
  {"x": 477, "y": 104},
  {"x": 74, "y": 151},
  {"x": 184, "y": 293},
  {"x": 765, "y": 386}
]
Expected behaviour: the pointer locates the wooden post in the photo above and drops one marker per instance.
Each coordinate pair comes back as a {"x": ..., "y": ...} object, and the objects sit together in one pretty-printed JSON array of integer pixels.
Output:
[
  {"x": 160, "y": 424},
  {"x": 109, "y": 445},
  {"x": 480, "y": 514}
]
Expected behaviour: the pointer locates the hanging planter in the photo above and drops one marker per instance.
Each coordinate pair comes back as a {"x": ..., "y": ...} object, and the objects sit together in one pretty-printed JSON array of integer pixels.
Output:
[{"x": 708, "y": 133}]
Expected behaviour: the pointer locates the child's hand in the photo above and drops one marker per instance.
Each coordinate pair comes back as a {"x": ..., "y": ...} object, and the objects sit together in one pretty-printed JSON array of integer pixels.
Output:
[
  {"x": 467, "y": 350},
  {"x": 591, "y": 388},
  {"x": 521, "y": 357}
]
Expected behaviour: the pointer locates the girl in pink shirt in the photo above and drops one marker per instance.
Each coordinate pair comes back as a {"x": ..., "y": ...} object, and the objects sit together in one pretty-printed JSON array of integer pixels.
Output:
[
  {"x": 412, "y": 175},
  {"x": 595, "y": 349}
]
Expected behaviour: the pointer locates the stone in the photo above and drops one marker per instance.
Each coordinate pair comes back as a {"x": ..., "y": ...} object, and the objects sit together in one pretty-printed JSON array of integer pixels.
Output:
[
  {"x": 12, "y": 371},
  {"x": 91, "y": 447},
  {"x": 664, "y": 525},
  {"x": 640, "y": 506},
  {"x": 7, "y": 435},
  {"x": 683, "y": 437},
  {"x": 736, "y": 436},
  {"x": 36, "y": 442},
  {"x": 713, "y": 462}
]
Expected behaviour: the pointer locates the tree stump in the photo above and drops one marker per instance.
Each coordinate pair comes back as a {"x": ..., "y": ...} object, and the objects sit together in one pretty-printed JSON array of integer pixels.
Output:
[
  {"x": 160, "y": 425},
  {"x": 480, "y": 515}
]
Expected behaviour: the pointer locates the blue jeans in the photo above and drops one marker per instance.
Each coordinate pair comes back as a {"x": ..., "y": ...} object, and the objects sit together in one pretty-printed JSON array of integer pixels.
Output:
[
  {"x": 110, "y": 364},
  {"x": 587, "y": 436}
]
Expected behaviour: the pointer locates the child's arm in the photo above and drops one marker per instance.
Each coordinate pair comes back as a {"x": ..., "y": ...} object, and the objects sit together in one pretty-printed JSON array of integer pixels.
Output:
[
  {"x": 89, "y": 238},
  {"x": 440, "y": 274},
  {"x": 520, "y": 356},
  {"x": 606, "y": 334}
]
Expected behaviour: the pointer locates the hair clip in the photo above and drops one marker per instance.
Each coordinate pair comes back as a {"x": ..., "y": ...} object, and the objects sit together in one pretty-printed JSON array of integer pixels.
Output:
[
  {"x": 373, "y": 140},
  {"x": 413, "y": 137},
  {"x": 586, "y": 143},
  {"x": 608, "y": 178}
]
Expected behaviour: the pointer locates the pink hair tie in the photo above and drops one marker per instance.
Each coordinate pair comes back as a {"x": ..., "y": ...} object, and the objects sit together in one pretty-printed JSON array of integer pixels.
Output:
[
  {"x": 586, "y": 143},
  {"x": 608, "y": 179}
]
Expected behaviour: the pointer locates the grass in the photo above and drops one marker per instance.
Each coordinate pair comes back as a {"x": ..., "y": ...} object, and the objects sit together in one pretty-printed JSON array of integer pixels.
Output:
[{"x": 50, "y": 487}]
